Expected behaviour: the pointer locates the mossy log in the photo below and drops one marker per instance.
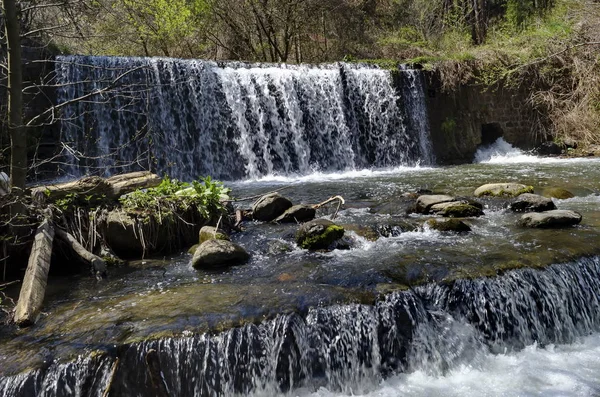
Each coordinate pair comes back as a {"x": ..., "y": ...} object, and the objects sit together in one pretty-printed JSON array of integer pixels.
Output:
[
  {"x": 111, "y": 188},
  {"x": 31, "y": 297}
]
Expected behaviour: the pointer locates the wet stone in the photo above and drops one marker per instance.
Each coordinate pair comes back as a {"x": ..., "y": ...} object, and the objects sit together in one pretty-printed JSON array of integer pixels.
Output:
[
  {"x": 269, "y": 207},
  {"x": 456, "y": 209},
  {"x": 297, "y": 214},
  {"x": 425, "y": 202},
  {"x": 550, "y": 219},
  {"x": 528, "y": 202},
  {"x": 448, "y": 225},
  {"x": 319, "y": 234},
  {"x": 211, "y": 233},
  {"x": 219, "y": 253},
  {"x": 502, "y": 190}
]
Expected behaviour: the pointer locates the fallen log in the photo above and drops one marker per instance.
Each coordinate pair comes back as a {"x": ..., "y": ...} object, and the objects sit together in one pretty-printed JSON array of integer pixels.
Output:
[
  {"x": 127, "y": 183},
  {"x": 97, "y": 264},
  {"x": 33, "y": 289},
  {"x": 95, "y": 186}
]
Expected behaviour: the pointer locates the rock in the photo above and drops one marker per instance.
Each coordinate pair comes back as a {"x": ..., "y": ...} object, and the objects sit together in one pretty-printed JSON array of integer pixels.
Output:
[
  {"x": 366, "y": 232},
  {"x": 558, "y": 193},
  {"x": 269, "y": 207},
  {"x": 122, "y": 235},
  {"x": 569, "y": 143},
  {"x": 425, "y": 202},
  {"x": 502, "y": 190},
  {"x": 550, "y": 219},
  {"x": 395, "y": 229},
  {"x": 318, "y": 234},
  {"x": 193, "y": 249},
  {"x": 549, "y": 149},
  {"x": 528, "y": 202},
  {"x": 297, "y": 214},
  {"x": 456, "y": 209},
  {"x": 448, "y": 225},
  {"x": 211, "y": 233},
  {"x": 218, "y": 253}
]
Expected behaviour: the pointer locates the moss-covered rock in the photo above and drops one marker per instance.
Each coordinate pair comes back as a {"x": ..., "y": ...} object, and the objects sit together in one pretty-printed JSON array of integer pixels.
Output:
[
  {"x": 193, "y": 249},
  {"x": 426, "y": 202},
  {"x": 319, "y": 234},
  {"x": 211, "y": 233},
  {"x": 502, "y": 190},
  {"x": 558, "y": 193},
  {"x": 448, "y": 225}
]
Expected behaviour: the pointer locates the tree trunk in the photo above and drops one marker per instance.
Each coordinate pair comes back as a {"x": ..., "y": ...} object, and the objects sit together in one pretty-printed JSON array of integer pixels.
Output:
[
  {"x": 31, "y": 297},
  {"x": 18, "y": 158}
]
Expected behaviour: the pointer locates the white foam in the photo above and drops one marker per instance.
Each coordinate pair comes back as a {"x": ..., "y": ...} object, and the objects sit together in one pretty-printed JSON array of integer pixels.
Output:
[
  {"x": 563, "y": 370},
  {"x": 319, "y": 176}
]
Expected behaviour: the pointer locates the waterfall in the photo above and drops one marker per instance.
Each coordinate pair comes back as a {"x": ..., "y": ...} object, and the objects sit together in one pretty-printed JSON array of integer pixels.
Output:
[
  {"x": 234, "y": 121},
  {"x": 349, "y": 348}
]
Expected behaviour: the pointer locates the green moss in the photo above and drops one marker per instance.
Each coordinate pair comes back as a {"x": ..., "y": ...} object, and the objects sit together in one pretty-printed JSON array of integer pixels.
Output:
[
  {"x": 193, "y": 249},
  {"x": 449, "y": 126},
  {"x": 505, "y": 193},
  {"x": 323, "y": 240}
]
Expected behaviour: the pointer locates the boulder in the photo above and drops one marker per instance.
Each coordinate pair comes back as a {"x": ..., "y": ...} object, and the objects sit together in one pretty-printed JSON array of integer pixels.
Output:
[
  {"x": 269, "y": 207},
  {"x": 456, "y": 209},
  {"x": 211, "y": 233},
  {"x": 502, "y": 190},
  {"x": 122, "y": 235},
  {"x": 550, "y": 219},
  {"x": 318, "y": 234},
  {"x": 297, "y": 214},
  {"x": 193, "y": 249},
  {"x": 528, "y": 202},
  {"x": 425, "y": 202},
  {"x": 549, "y": 149},
  {"x": 569, "y": 143},
  {"x": 218, "y": 253},
  {"x": 558, "y": 193},
  {"x": 448, "y": 225}
]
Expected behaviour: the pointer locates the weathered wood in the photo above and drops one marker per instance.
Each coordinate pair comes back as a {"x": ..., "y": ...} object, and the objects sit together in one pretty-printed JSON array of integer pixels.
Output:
[
  {"x": 33, "y": 289},
  {"x": 156, "y": 377},
  {"x": 89, "y": 185},
  {"x": 127, "y": 183},
  {"x": 97, "y": 264},
  {"x": 96, "y": 186}
]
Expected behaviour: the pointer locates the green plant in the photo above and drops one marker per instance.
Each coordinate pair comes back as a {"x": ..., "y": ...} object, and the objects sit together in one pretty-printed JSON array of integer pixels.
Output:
[{"x": 171, "y": 196}]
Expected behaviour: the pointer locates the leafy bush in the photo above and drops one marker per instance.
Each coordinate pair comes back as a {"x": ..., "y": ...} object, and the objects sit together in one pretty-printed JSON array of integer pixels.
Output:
[{"x": 171, "y": 195}]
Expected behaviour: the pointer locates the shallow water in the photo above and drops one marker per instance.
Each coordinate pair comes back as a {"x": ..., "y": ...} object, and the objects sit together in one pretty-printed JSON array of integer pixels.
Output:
[{"x": 167, "y": 297}]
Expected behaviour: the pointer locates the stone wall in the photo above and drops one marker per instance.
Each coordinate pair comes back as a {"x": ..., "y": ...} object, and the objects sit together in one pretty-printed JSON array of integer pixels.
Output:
[{"x": 468, "y": 116}]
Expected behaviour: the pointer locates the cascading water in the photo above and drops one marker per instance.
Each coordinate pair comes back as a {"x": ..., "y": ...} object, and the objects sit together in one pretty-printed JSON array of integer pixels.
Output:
[
  {"x": 235, "y": 121},
  {"x": 432, "y": 329}
]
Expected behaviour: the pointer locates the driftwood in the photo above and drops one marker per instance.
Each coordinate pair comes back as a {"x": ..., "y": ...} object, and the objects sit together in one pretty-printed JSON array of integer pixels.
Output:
[
  {"x": 127, "y": 183},
  {"x": 156, "y": 377},
  {"x": 340, "y": 201},
  {"x": 97, "y": 264},
  {"x": 33, "y": 289},
  {"x": 96, "y": 186}
]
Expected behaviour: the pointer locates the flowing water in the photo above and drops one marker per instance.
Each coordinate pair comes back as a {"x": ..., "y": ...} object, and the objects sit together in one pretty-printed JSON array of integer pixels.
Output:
[{"x": 405, "y": 311}]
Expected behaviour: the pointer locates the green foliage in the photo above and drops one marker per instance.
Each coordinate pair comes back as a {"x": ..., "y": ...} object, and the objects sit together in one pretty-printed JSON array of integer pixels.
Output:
[
  {"x": 449, "y": 126},
  {"x": 172, "y": 196}
]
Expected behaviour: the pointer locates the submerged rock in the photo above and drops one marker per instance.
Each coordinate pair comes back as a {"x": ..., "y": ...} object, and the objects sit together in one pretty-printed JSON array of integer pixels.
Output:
[
  {"x": 549, "y": 149},
  {"x": 550, "y": 219},
  {"x": 456, "y": 209},
  {"x": 269, "y": 207},
  {"x": 448, "y": 225},
  {"x": 318, "y": 234},
  {"x": 558, "y": 193},
  {"x": 528, "y": 202},
  {"x": 297, "y": 214},
  {"x": 425, "y": 202},
  {"x": 218, "y": 253},
  {"x": 502, "y": 190},
  {"x": 211, "y": 233}
]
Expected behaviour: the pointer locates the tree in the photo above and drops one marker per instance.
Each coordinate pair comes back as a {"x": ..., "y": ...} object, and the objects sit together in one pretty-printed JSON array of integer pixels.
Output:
[{"x": 18, "y": 158}]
